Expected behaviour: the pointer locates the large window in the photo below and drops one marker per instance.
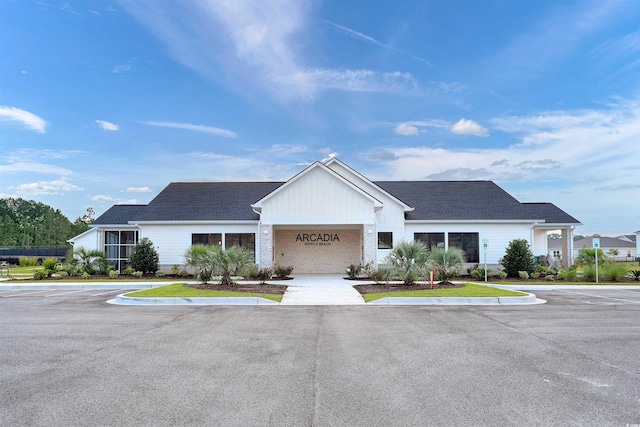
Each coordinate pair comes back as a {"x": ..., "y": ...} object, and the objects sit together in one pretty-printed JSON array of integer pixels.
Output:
[
  {"x": 242, "y": 240},
  {"x": 385, "y": 240},
  {"x": 118, "y": 245},
  {"x": 468, "y": 242},
  {"x": 430, "y": 240},
  {"x": 212, "y": 239}
]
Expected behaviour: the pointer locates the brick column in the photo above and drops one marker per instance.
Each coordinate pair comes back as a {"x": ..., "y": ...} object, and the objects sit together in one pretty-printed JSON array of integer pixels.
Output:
[
  {"x": 567, "y": 247},
  {"x": 370, "y": 244},
  {"x": 266, "y": 246}
]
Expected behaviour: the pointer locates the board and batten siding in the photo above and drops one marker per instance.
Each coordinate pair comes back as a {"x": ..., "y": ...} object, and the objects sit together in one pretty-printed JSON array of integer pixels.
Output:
[
  {"x": 172, "y": 240},
  {"x": 499, "y": 235},
  {"x": 89, "y": 240},
  {"x": 318, "y": 198}
]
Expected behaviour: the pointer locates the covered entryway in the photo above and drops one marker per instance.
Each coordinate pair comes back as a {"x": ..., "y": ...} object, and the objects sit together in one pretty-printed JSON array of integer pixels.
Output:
[{"x": 318, "y": 249}]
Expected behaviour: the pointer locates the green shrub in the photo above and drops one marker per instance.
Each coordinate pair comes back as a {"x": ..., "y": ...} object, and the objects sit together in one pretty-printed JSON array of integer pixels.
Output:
[
  {"x": 159, "y": 273},
  {"x": 39, "y": 274},
  {"x": 501, "y": 274},
  {"x": 62, "y": 273},
  {"x": 282, "y": 272},
  {"x": 535, "y": 275},
  {"x": 144, "y": 257},
  {"x": 137, "y": 273},
  {"x": 407, "y": 261},
  {"x": 589, "y": 273},
  {"x": 635, "y": 274},
  {"x": 381, "y": 275},
  {"x": 129, "y": 270},
  {"x": 28, "y": 261},
  {"x": 50, "y": 263},
  {"x": 613, "y": 271},
  {"x": 518, "y": 257},
  {"x": 113, "y": 274},
  {"x": 478, "y": 273},
  {"x": 262, "y": 274},
  {"x": 587, "y": 256},
  {"x": 523, "y": 274},
  {"x": 550, "y": 277},
  {"x": 85, "y": 275},
  {"x": 569, "y": 275},
  {"x": 353, "y": 271}
]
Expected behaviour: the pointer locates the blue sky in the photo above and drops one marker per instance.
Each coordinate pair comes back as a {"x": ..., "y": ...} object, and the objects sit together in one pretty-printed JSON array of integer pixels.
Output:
[{"x": 105, "y": 102}]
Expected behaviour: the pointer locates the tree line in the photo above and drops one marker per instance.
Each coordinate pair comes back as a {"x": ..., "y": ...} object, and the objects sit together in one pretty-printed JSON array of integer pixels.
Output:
[{"x": 27, "y": 223}]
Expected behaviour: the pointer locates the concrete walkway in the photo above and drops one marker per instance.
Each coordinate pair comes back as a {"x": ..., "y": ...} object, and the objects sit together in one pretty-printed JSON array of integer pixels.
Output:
[{"x": 320, "y": 289}]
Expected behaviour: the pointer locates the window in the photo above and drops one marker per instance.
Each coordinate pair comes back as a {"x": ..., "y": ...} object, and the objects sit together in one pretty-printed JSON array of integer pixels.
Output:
[
  {"x": 118, "y": 245},
  {"x": 212, "y": 239},
  {"x": 242, "y": 240},
  {"x": 468, "y": 242},
  {"x": 385, "y": 240},
  {"x": 430, "y": 240}
]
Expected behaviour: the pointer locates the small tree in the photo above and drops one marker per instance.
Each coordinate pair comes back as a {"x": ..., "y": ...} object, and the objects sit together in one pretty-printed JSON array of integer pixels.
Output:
[
  {"x": 518, "y": 257},
  {"x": 144, "y": 257}
]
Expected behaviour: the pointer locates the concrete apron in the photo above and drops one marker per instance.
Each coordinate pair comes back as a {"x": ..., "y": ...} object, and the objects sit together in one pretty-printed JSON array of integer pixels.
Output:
[{"x": 320, "y": 289}]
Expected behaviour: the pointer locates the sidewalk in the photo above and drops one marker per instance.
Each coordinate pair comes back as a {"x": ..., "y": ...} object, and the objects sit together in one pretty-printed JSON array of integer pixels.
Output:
[{"x": 322, "y": 289}]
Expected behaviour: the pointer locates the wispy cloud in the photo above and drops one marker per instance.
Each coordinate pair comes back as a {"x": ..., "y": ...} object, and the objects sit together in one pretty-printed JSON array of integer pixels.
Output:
[
  {"x": 469, "y": 127},
  {"x": 360, "y": 36},
  {"x": 22, "y": 117},
  {"x": 195, "y": 128},
  {"x": 33, "y": 167},
  {"x": 137, "y": 190},
  {"x": 104, "y": 125},
  {"x": 259, "y": 44},
  {"x": 41, "y": 188}
]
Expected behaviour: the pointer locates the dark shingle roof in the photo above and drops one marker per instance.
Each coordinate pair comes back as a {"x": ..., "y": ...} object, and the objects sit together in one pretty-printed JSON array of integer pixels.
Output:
[
  {"x": 455, "y": 200},
  {"x": 550, "y": 213},
  {"x": 207, "y": 201},
  {"x": 431, "y": 200},
  {"x": 119, "y": 214}
]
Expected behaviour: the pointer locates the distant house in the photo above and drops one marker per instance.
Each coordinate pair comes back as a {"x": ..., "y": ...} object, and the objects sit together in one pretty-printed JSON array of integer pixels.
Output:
[
  {"x": 622, "y": 248},
  {"x": 327, "y": 217}
]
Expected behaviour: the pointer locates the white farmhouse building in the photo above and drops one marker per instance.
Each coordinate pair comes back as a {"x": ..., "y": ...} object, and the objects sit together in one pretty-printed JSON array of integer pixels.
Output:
[{"x": 327, "y": 217}]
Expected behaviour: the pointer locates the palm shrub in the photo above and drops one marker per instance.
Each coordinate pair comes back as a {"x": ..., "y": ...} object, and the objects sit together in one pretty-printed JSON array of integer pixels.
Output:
[
  {"x": 208, "y": 261},
  {"x": 201, "y": 259},
  {"x": 569, "y": 274},
  {"x": 589, "y": 273},
  {"x": 587, "y": 256},
  {"x": 90, "y": 260},
  {"x": 408, "y": 260},
  {"x": 446, "y": 263},
  {"x": 144, "y": 257},
  {"x": 518, "y": 257},
  {"x": 50, "y": 266}
]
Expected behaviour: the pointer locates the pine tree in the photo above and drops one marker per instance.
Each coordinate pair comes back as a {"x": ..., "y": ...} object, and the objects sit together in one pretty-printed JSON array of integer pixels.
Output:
[
  {"x": 144, "y": 257},
  {"x": 518, "y": 257}
]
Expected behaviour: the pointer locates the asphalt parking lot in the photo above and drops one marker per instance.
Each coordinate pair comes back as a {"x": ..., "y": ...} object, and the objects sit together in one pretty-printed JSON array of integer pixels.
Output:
[{"x": 68, "y": 358}]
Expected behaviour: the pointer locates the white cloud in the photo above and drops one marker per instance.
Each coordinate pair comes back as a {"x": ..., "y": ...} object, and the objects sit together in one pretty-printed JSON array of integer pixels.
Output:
[
  {"x": 469, "y": 127},
  {"x": 405, "y": 129},
  {"x": 56, "y": 187},
  {"x": 104, "y": 125},
  {"x": 195, "y": 128},
  {"x": 25, "y": 118},
  {"x": 360, "y": 80},
  {"x": 34, "y": 167},
  {"x": 101, "y": 198},
  {"x": 137, "y": 190}
]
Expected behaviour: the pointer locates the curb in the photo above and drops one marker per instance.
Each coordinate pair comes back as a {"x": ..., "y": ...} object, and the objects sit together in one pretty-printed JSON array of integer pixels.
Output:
[
  {"x": 124, "y": 300},
  {"x": 529, "y": 299}
]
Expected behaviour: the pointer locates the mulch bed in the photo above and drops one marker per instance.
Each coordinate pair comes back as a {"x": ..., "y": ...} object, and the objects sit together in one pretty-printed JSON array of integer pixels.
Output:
[
  {"x": 383, "y": 287},
  {"x": 242, "y": 287}
]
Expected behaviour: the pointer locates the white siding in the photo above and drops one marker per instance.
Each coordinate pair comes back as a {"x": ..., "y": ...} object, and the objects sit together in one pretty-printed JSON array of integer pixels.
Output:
[
  {"x": 499, "y": 235},
  {"x": 539, "y": 246},
  {"x": 172, "y": 240},
  {"x": 318, "y": 198},
  {"x": 90, "y": 240}
]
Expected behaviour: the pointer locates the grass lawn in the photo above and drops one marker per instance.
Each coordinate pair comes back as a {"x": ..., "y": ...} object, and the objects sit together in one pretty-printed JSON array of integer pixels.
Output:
[
  {"x": 178, "y": 290},
  {"x": 21, "y": 272},
  {"x": 468, "y": 290}
]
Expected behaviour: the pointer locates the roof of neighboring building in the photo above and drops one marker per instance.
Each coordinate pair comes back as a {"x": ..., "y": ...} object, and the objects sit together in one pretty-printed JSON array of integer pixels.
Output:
[
  {"x": 605, "y": 242},
  {"x": 119, "y": 214},
  {"x": 431, "y": 200}
]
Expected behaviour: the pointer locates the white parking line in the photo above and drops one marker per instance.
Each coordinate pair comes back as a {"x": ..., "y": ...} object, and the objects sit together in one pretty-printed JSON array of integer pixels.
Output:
[
  {"x": 26, "y": 293},
  {"x": 597, "y": 296},
  {"x": 112, "y": 291},
  {"x": 65, "y": 293}
]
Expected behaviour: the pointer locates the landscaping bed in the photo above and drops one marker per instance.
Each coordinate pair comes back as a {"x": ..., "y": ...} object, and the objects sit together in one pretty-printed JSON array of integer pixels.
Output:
[
  {"x": 256, "y": 288},
  {"x": 399, "y": 287}
]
